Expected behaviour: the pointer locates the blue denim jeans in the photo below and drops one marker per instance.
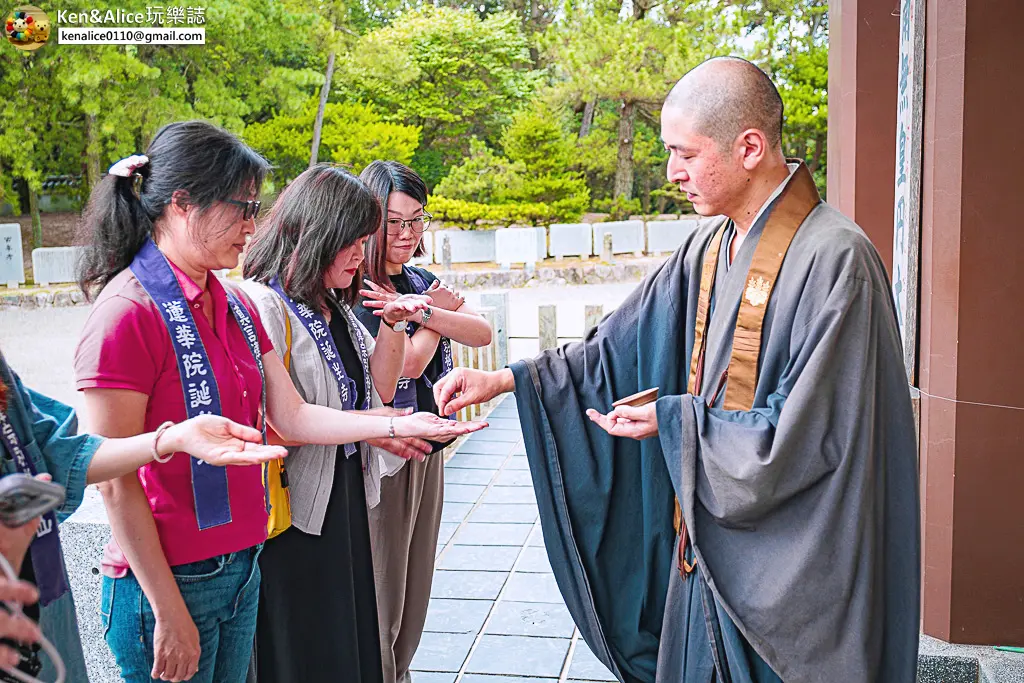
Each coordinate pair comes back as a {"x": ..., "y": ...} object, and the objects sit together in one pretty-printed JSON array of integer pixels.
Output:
[{"x": 222, "y": 595}]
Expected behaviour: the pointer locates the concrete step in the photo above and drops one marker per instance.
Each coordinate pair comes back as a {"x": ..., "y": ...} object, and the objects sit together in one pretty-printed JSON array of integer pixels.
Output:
[{"x": 941, "y": 662}]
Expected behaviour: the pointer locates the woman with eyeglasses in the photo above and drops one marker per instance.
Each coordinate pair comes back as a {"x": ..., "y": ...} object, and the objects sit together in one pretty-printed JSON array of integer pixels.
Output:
[
  {"x": 168, "y": 340},
  {"x": 404, "y": 526},
  {"x": 304, "y": 268}
]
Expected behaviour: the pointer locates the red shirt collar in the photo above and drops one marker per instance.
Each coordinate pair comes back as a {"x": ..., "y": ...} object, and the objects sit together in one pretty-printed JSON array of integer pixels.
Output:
[{"x": 191, "y": 290}]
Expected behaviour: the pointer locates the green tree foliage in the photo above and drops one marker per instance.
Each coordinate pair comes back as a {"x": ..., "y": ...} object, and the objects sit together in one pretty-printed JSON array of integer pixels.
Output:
[
  {"x": 489, "y": 187},
  {"x": 537, "y": 138},
  {"x": 512, "y": 110},
  {"x": 602, "y": 54},
  {"x": 353, "y": 134},
  {"x": 447, "y": 71},
  {"x": 792, "y": 47}
]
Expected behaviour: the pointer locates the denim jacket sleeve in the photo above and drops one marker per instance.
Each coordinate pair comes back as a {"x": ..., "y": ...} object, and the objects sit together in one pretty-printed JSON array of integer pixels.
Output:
[{"x": 55, "y": 445}]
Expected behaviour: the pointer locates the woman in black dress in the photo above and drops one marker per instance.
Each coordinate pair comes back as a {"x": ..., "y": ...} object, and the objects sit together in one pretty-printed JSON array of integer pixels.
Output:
[{"x": 317, "y": 614}]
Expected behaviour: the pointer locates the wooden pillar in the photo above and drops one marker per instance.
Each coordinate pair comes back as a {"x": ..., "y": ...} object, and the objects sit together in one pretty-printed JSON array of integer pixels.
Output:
[
  {"x": 972, "y": 320},
  {"x": 862, "y": 76}
]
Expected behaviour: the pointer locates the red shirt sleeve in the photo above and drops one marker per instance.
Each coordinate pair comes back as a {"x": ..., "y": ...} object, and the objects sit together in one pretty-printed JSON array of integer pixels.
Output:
[{"x": 123, "y": 346}]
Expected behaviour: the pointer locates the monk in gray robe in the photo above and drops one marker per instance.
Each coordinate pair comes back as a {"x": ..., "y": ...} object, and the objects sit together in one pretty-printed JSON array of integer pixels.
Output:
[{"x": 759, "y": 521}]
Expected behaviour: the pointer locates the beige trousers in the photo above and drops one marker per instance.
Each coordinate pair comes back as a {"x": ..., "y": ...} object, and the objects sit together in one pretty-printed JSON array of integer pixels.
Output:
[{"x": 403, "y": 536}]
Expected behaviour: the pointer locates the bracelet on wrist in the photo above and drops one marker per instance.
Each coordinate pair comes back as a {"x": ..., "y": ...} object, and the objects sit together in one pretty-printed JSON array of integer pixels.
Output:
[
  {"x": 391, "y": 428},
  {"x": 156, "y": 442}
]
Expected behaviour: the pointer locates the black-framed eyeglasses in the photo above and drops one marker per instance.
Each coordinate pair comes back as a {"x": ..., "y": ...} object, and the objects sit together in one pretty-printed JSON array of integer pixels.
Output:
[
  {"x": 419, "y": 225},
  {"x": 249, "y": 208}
]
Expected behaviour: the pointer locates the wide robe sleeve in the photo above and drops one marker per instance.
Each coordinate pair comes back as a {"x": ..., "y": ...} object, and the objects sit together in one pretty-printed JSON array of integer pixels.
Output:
[{"x": 606, "y": 503}]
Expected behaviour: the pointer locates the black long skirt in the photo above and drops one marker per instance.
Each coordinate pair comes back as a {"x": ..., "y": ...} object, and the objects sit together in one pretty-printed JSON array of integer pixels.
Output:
[{"x": 318, "y": 610}]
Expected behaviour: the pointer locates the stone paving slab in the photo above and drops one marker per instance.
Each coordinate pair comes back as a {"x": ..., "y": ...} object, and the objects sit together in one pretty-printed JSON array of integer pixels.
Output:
[
  {"x": 519, "y": 655},
  {"x": 479, "y": 557},
  {"x": 487, "y": 678},
  {"x": 508, "y": 514},
  {"x": 509, "y": 495},
  {"x": 475, "y": 462},
  {"x": 455, "y": 512},
  {"x": 442, "y": 652},
  {"x": 534, "y": 560},
  {"x": 457, "y": 616},
  {"x": 533, "y": 588},
  {"x": 445, "y": 532},
  {"x": 495, "y": 432},
  {"x": 471, "y": 585},
  {"x": 467, "y": 476},
  {"x": 507, "y": 477},
  {"x": 518, "y": 462},
  {"x": 505, "y": 422},
  {"x": 496, "y": 615},
  {"x": 585, "y": 666},
  {"x": 480, "y": 447},
  {"x": 530, "y": 619},
  {"x": 492, "y": 534},
  {"x": 463, "y": 493}
]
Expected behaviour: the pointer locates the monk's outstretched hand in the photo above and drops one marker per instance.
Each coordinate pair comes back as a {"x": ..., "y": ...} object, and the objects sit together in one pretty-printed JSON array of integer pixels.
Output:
[
  {"x": 466, "y": 387},
  {"x": 626, "y": 421}
]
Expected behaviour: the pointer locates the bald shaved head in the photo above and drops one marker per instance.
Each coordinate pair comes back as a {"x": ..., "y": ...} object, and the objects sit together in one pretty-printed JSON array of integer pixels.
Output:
[{"x": 725, "y": 96}]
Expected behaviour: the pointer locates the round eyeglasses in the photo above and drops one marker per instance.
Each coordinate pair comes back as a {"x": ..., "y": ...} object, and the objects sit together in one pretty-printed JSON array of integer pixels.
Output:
[{"x": 419, "y": 225}]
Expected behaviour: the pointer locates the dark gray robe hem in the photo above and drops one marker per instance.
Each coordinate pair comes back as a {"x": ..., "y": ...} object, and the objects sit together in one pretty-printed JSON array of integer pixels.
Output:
[{"x": 559, "y": 540}]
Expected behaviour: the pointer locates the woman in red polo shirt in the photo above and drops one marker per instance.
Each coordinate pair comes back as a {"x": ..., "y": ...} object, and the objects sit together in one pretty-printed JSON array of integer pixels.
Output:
[{"x": 166, "y": 340}]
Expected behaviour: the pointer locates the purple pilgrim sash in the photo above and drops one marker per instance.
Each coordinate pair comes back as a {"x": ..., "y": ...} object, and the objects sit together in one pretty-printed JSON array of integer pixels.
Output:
[{"x": 202, "y": 397}]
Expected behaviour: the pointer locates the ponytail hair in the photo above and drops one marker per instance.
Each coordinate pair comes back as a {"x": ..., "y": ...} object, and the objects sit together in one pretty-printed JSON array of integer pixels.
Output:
[
  {"x": 206, "y": 163},
  {"x": 383, "y": 178}
]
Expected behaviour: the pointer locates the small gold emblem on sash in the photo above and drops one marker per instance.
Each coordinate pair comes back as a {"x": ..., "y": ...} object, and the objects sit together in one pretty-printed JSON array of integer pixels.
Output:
[{"x": 757, "y": 291}]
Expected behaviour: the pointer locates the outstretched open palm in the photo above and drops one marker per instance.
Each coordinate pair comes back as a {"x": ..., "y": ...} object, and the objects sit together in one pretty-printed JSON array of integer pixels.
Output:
[
  {"x": 430, "y": 426},
  {"x": 219, "y": 441}
]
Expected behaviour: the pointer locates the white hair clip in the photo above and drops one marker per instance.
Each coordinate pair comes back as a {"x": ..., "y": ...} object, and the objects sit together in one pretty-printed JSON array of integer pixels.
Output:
[{"x": 129, "y": 165}]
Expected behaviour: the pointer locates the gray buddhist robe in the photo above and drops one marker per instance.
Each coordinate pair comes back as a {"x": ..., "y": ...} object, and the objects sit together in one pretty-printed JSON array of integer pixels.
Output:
[{"x": 803, "y": 512}]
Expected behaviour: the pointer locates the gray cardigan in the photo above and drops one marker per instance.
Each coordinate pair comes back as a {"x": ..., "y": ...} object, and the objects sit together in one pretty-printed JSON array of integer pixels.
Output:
[{"x": 311, "y": 467}]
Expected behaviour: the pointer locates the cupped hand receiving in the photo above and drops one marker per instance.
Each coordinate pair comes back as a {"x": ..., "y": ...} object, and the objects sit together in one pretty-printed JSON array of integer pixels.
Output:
[
  {"x": 219, "y": 441},
  {"x": 430, "y": 426},
  {"x": 627, "y": 421}
]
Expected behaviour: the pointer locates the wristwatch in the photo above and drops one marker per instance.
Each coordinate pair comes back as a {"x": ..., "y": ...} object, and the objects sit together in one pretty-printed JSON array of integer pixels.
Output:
[
  {"x": 397, "y": 327},
  {"x": 427, "y": 312}
]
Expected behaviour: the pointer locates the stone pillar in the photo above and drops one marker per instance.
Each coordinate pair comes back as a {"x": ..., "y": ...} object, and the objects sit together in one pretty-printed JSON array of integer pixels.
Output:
[
  {"x": 862, "y": 73},
  {"x": 972, "y": 320}
]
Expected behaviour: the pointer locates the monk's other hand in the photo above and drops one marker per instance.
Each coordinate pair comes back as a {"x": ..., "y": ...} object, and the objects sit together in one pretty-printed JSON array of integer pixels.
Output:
[{"x": 627, "y": 421}]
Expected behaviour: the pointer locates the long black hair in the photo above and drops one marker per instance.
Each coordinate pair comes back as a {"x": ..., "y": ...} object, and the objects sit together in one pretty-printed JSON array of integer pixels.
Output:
[
  {"x": 383, "y": 178},
  {"x": 206, "y": 163},
  {"x": 323, "y": 211}
]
